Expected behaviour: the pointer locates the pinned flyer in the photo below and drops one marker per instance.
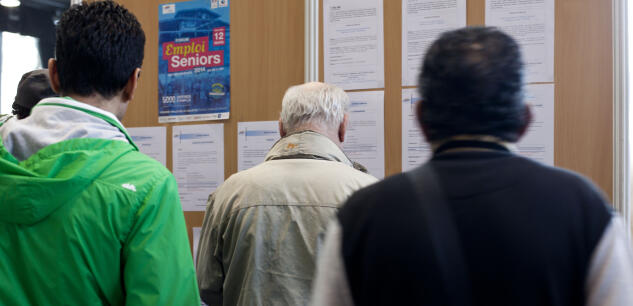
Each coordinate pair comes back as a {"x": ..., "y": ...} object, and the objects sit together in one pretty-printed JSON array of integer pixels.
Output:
[{"x": 194, "y": 78}]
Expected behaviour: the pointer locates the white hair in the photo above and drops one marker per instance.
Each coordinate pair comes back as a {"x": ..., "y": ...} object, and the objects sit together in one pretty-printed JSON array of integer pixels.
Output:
[{"x": 313, "y": 104}]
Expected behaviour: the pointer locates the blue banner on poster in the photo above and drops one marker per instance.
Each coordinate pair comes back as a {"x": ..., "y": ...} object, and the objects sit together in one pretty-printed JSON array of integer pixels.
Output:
[{"x": 194, "y": 75}]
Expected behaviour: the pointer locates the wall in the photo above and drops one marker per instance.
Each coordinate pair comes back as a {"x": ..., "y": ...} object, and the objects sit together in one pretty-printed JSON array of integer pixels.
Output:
[{"x": 267, "y": 57}]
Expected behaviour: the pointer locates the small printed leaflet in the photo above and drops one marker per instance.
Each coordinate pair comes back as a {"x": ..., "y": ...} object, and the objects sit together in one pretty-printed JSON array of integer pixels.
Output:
[
  {"x": 151, "y": 141},
  {"x": 531, "y": 24},
  {"x": 415, "y": 149},
  {"x": 198, "y": 162},
  {"x": 353, "y": 48},
  {"x": 365, "y": 138},
  {"x": 254, "y": 140}
]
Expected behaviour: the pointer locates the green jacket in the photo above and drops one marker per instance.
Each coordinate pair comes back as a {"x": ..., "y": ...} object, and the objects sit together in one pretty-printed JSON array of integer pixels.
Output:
[{"x": 92, "y": 221}]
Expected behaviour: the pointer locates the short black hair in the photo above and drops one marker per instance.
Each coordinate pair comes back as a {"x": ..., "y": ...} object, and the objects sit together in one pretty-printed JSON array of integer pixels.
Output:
[
  {"x": 472, "y": 84},
  {"x": 98, "y": 47},
  {"x": 33, "y": 87},
  {"x": 20, "y": 111}
]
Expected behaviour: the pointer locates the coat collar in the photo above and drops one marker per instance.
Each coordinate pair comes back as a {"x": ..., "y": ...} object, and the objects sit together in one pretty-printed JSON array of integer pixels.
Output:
[
  {"x": 308, "y": 145},
  {"x": 471, "y": 143}
]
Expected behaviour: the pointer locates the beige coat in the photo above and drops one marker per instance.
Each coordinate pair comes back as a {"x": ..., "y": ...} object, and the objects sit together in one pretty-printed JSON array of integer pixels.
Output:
[{"x": 260, "y": 231}]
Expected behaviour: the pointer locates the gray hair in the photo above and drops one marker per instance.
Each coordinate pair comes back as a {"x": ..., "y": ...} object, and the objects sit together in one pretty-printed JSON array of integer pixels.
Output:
[{"x": 313, "y": 103}]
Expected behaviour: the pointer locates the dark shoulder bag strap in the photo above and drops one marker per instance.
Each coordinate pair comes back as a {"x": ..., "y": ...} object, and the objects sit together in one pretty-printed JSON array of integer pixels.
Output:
[{"x": 443, "y": 234}]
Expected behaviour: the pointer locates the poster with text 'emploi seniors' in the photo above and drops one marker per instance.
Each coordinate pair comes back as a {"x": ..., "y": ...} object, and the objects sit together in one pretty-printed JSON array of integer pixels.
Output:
[{"x": 194, "y": 78}]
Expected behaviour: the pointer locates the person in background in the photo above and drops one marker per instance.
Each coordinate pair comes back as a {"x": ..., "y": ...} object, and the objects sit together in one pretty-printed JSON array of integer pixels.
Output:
[
  {"x": 33, "y": 87},
  {"x": 86, "y": 219},
  {"x": 477, "y": 224},
  {"x": 260, "y": 230}
]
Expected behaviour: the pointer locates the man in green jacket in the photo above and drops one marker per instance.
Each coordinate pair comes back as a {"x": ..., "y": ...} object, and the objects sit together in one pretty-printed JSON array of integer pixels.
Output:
[{"x": 86, "y": 219}]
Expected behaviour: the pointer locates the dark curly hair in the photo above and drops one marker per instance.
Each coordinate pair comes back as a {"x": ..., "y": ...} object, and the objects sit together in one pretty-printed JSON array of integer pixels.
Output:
[
  {"x": 98, "y": 47},
  {"x": 472, "y": 83}
]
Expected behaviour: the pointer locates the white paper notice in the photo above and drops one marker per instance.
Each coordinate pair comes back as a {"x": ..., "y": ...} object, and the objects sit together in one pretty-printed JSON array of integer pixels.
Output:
[
  {"x": 198, "y": 162},
  {"x": 254, "y": 140},
  {"x": 415, "y": 149},
  {"x": 151, "y": 141},
  {"x": 365, "y": 138},
  {"x": 195, "y": 243},
  {"x": 353, "y": 43},
  {"x": 422, "y": 22},
  {"x": 538, "y": 142},
  {"x": 531, "y": 23}
]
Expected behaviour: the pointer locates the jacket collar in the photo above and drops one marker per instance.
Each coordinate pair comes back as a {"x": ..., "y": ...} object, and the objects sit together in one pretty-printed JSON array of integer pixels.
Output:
[
  {"x": 56, "y": 120},
  {"x": 471, "y": 143},
  {"x": 106, "y": 116},
  {"x": 307, "y": 145}
]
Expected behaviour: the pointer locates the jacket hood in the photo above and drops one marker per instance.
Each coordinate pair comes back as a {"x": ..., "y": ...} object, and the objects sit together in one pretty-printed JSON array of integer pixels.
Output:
[
  {"x": 54, "y": 120},
  {"x": 33, "y": 189}
]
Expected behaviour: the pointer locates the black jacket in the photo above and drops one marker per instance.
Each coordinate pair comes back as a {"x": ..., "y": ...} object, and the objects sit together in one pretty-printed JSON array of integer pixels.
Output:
[{"x": 527, "y": 232}]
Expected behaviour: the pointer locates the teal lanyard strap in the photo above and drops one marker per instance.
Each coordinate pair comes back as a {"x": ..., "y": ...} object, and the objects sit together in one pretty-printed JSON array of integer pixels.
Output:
[{"x": 96, "y": 114}]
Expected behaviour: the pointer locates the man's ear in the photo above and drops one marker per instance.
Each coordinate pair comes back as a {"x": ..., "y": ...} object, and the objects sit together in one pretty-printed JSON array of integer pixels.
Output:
[
  {"x": 419, "y": 110},
  {"x": 342, "y": 128},
  {"x": 130, "y": 86},
  {"x": 527, "y": 114},
  {"x": 53, "y": 75},
  {"x": 282, "y": 132}
]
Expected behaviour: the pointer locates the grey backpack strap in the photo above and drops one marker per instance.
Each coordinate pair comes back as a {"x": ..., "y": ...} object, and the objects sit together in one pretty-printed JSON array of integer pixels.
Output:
[{"x": 442, "y": 230}]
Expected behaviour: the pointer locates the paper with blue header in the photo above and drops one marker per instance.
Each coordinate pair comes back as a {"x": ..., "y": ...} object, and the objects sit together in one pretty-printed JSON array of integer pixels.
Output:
[
  {"x": 151, "y": 141},
  {"x": 254, "y": 140},
  {"x": 365, "y": 138},
  {"x": 198, "y": 162}
]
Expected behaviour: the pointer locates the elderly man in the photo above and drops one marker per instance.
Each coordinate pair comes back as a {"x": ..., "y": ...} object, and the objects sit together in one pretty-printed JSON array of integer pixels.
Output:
[
  {"x": 477, "y": 224},
  {"x": 261, "y": 227},
  {"x": 85, "y": 218}
]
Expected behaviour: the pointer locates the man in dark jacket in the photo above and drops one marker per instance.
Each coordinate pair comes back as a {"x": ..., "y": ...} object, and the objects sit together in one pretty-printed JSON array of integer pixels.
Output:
[{"x": 477, "y": 224}]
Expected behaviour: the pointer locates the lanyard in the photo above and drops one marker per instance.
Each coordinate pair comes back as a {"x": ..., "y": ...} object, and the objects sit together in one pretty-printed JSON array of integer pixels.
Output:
[{"x": 95, "y": 114}]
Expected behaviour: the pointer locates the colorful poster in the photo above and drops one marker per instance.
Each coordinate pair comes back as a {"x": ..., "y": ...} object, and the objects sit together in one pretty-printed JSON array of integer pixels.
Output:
[{"x": 194, "y": 76}]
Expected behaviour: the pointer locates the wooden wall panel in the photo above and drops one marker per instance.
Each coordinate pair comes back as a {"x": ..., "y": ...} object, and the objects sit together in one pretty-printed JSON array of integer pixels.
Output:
[
  {"x": 583, "y": 85},
  {"x": 393, "y": 92},
  {"x": 584, "y": 89},
  {"x": 266, "y": 58},
  {"x": 475, "y": 12}
]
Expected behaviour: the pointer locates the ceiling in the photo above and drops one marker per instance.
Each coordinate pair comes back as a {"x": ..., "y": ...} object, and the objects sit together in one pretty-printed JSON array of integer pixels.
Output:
[{"x": 46, "y": 4}]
